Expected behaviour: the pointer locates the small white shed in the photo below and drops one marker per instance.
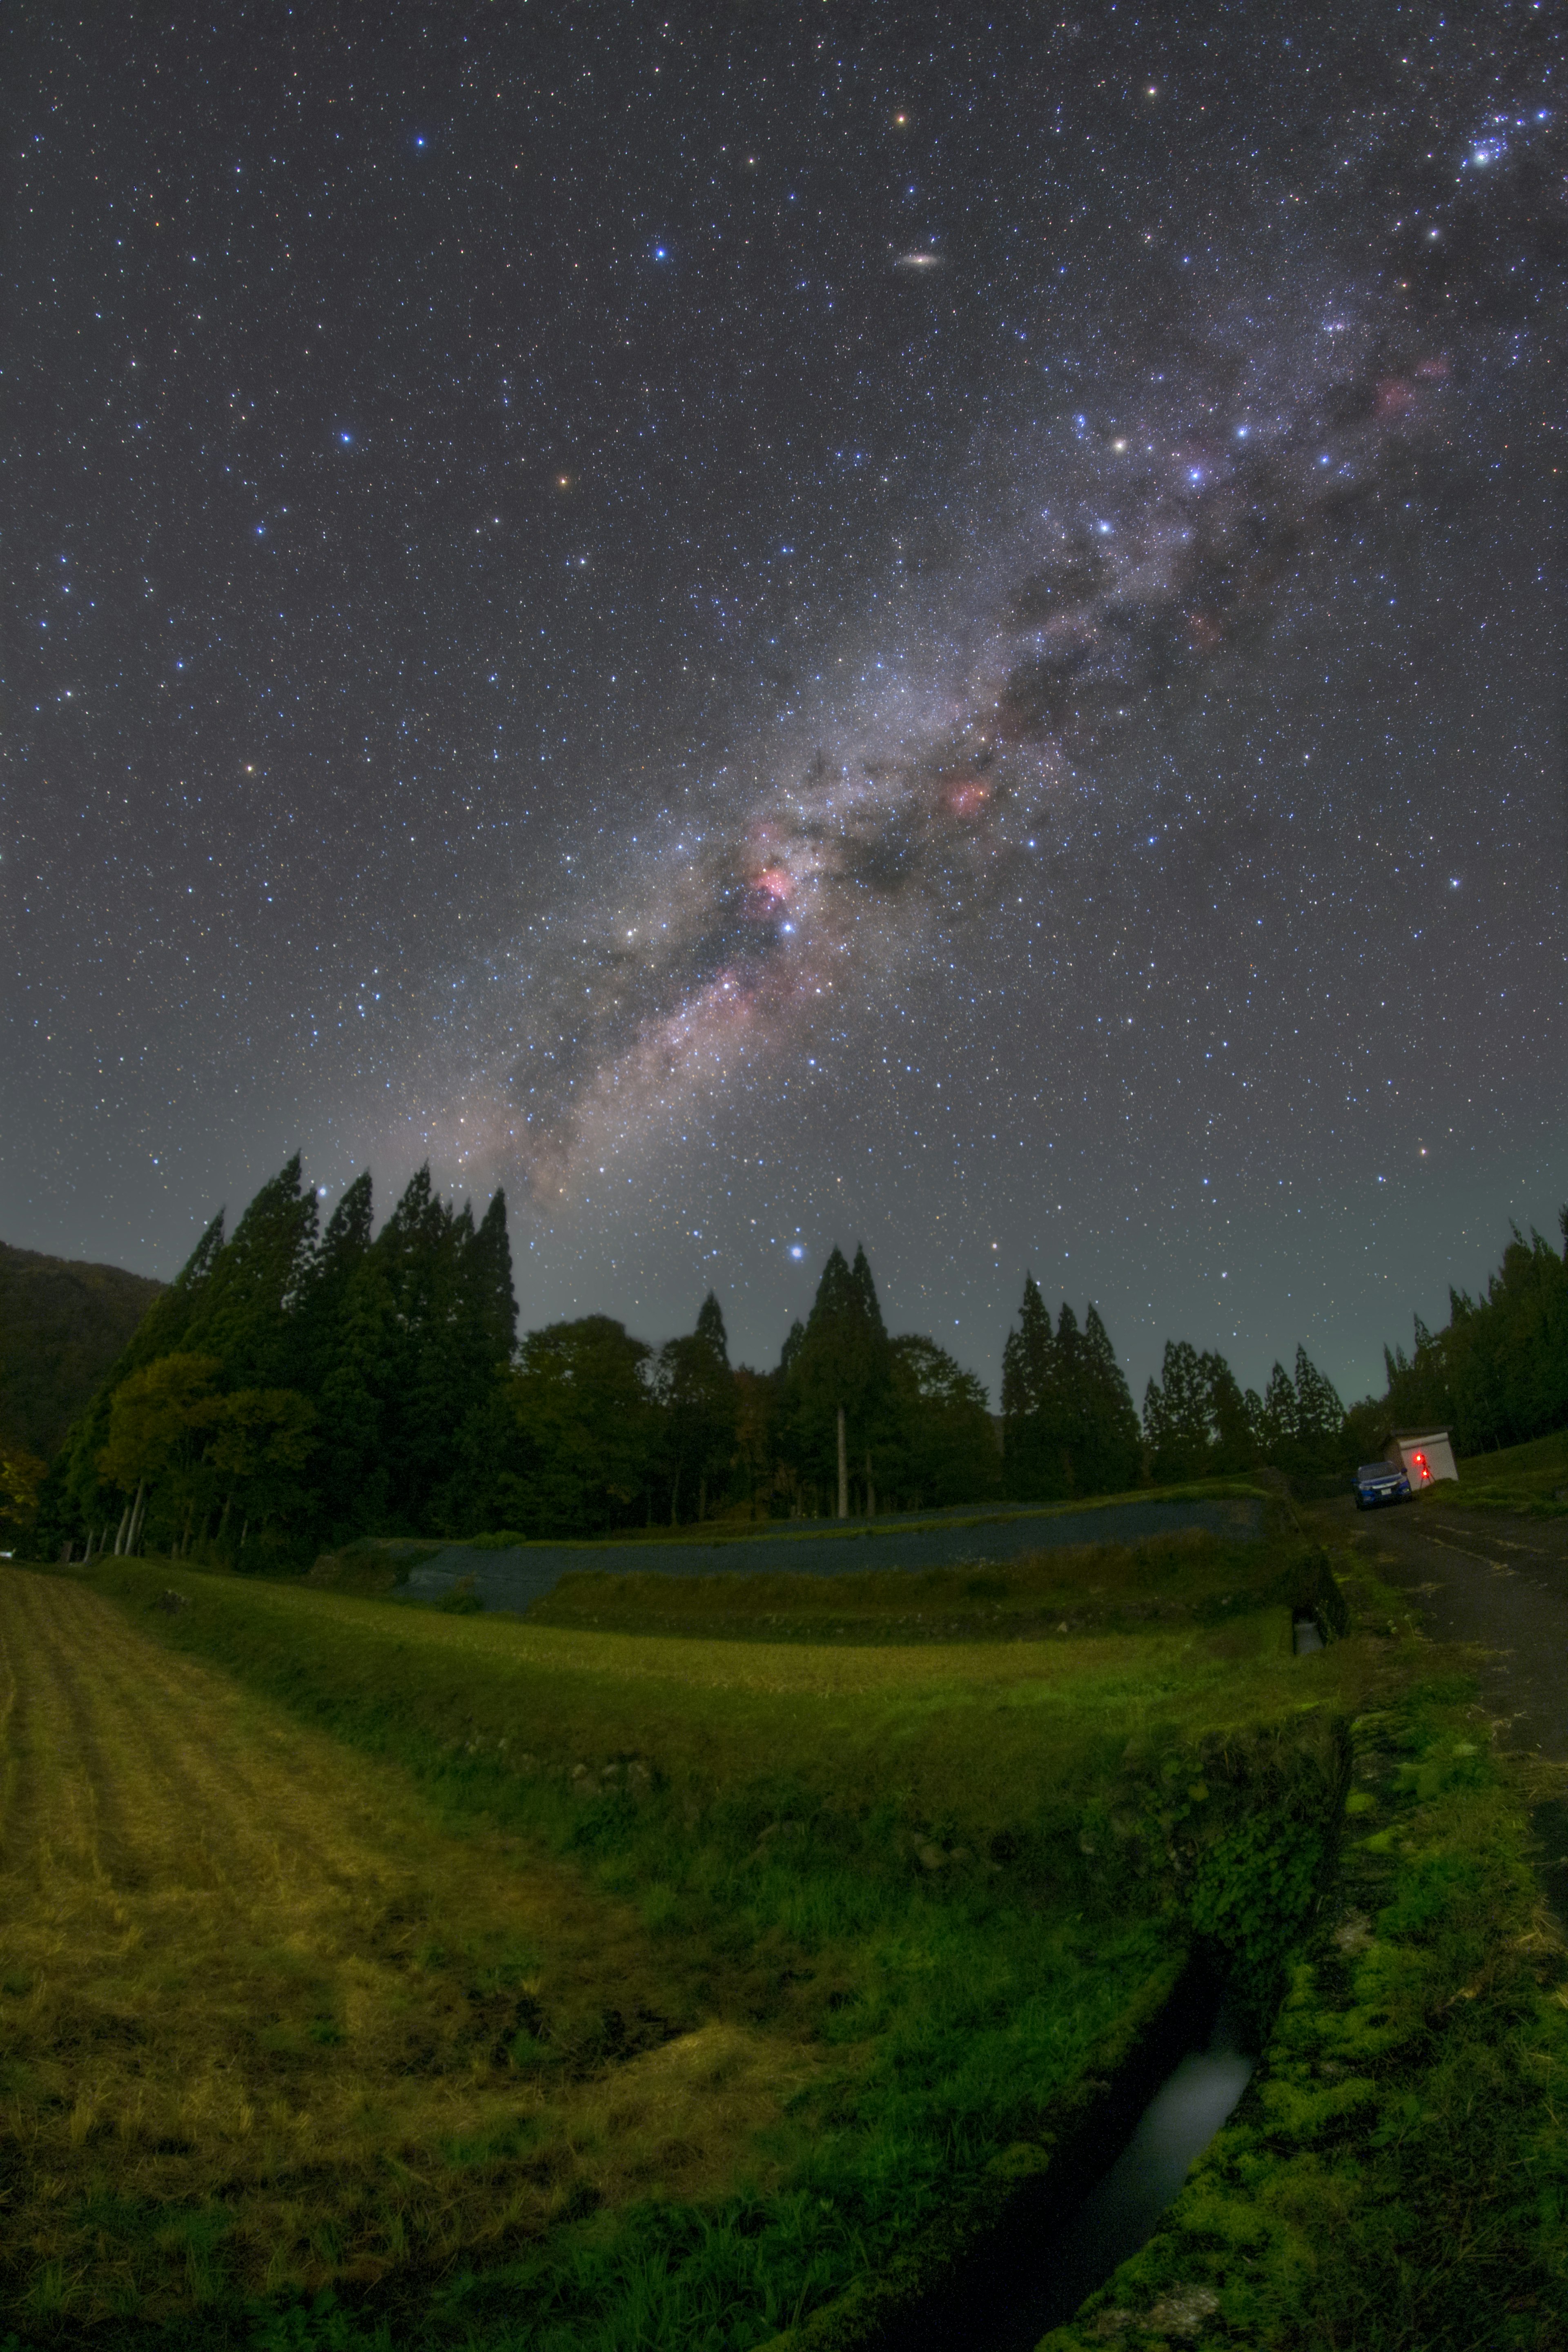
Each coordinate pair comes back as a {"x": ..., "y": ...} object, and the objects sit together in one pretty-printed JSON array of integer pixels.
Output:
[{"x": 1424, "y": 1455}]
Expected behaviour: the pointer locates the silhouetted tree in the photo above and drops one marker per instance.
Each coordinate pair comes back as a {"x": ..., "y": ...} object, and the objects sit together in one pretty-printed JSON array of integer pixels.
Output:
[
  {"x": 694, "y": 1391},
  {"x": 841, "y": 1363},
  {"x": 581, "y": 1442},
  {"x": 945, "y": 1448},
  {"x": 1031, "y": 1462}
]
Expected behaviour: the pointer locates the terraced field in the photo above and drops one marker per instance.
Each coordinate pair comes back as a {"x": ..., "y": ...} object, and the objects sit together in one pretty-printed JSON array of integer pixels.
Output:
[
  {"x": 557, "y": 1988},
  {"x": 259, "y": 2005}
]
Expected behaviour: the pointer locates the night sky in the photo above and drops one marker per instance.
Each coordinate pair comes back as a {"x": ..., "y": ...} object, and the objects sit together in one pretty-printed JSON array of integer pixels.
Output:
[{"x": 787, "y": 626}]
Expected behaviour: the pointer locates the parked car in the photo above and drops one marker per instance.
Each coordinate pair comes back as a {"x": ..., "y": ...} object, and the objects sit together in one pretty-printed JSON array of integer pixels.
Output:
[{"x": 1379, "y": 1482}]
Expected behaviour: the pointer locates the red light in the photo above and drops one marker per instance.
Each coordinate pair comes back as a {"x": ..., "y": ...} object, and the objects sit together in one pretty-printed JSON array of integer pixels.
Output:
[{"x": 1418, "y": 1461}]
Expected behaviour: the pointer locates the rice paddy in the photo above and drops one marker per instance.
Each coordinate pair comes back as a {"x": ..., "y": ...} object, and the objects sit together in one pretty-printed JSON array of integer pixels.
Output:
[{"x": 554, "y": 1986}]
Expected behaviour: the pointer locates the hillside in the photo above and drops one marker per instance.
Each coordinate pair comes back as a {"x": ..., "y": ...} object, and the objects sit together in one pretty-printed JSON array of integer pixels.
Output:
[{"x": 62, "y": 1324}]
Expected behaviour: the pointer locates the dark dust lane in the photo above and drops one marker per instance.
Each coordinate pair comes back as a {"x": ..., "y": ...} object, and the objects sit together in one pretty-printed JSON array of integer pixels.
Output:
[{"x": 1501, "y": 1583}]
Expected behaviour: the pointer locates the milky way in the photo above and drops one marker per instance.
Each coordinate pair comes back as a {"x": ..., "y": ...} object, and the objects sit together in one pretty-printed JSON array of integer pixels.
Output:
[
  {"x": 929, "y": 632},
  {"x": 1167, "y": 535}
]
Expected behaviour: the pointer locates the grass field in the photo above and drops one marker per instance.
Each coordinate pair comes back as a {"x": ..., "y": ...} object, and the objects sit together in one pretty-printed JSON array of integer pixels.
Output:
[
  {"x": 557, "y": 1985},
  {"x": 1531, "y": 1480}
]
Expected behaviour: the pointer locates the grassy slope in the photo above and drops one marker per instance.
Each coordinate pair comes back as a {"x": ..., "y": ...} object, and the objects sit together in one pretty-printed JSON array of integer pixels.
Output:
[
  {"x": 1526, "y": 1479},
  {"x": 905, "y": 1898}
]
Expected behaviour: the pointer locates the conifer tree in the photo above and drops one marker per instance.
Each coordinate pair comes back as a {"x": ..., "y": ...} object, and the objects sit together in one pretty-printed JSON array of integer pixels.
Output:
[
  {"x": 494, "y": 1306},
  {"x": 354, "y": 1349},
  {"x": 1176, "y": 1416},
  {"x": 842, "y": 1363},
  {"x": 340, "y": 1251},
  {"x": 248, "y": 1314},
  {"x": 695, "y": 1391},
  {"x": 1231, "y": 1444},
  {"x": 1031, "y": 1471},
  {"x": 1109, "y": 1455},
  {"x": 1278, "y": 1417},
  {"x": 1319, "y": 1418}
]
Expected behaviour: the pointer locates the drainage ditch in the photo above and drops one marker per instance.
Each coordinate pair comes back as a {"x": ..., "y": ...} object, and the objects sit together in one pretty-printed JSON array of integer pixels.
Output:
[{"x": 1032, "y": 2273}]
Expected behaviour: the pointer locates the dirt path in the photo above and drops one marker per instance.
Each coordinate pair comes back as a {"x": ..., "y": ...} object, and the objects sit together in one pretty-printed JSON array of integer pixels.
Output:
[
  {"x": 265, "y": 2019},
  {"x": 1500, "y": 1584}
]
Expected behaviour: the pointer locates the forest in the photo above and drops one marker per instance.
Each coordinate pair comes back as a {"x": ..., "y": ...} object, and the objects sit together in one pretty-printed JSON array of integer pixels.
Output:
[{"x": 298, "y": 1386}]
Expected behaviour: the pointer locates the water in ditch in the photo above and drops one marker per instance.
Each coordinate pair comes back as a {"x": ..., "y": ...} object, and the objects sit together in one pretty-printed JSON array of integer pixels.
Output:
[{"x": 1034, "y": 2273}]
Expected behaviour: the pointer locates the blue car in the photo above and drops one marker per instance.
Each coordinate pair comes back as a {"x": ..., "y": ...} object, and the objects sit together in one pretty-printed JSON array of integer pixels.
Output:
[{"x": 1379, "y": 1482}]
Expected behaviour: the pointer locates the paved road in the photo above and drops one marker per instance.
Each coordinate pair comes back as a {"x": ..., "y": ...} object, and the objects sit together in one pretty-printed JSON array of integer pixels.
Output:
[{"x": 1501, "y": 1583}]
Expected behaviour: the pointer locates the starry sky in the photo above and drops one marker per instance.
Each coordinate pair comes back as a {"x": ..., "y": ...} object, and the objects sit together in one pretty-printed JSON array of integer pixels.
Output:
[{"x": 778, "y": 626}]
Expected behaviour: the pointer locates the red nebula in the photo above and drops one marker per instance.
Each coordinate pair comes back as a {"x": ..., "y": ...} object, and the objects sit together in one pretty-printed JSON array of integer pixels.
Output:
[
  {"x": 1435, "y": 371},
  {"x": 963, "y": 796},
  {"x": 1395, "y": 396},
  {"x": 768, "y": 893}
]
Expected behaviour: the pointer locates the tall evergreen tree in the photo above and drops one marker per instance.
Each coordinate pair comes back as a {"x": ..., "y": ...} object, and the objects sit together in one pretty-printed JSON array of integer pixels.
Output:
[
  {"x": 1232, "y": 1444},
  {"x": 1109, "y": 1450},
  {"x": 340, "y": 1251},
  {"x": 695, "y": 1391},
  {"x": 354, "y": 1385},
  {"x": 248, "y": 1315},
  {"x": 1279, "y": 1433},
  {"x": 1320, "y": 1415},
  {"x": 494, "y": 1300},
  {"x": 1030, "y": 1463},
  {"x": 1177, "y": 1421},
  {"x": 842, "y": 1363}
]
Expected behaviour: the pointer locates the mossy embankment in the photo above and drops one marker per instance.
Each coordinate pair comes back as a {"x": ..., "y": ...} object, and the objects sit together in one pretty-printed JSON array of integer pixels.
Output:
[{"x": 1396, "y": 2175}]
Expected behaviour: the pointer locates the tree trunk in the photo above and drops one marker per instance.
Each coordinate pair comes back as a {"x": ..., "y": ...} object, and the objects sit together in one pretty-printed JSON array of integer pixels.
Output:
[
  {"x": 185, "y": 1539},
  {"x": 119, "y": 1530},
  {"x": 870, "y": 1490},
  {"x": 842, "y": 1470},
  {"x": 137, "y": 1513},
  {"x": 675, "y": 1499}
]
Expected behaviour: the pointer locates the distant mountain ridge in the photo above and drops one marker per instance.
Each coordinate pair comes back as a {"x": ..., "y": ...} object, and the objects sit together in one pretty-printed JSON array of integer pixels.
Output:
[{"x": 63, "y": 1322}]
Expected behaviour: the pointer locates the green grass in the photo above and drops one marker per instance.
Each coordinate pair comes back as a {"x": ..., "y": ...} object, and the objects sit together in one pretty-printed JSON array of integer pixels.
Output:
[
  {"x": 1177, "y": 1581},
  {"x": 912, "y": 1896},
  {"x": 1396, "y": 2177},
  {"x": 1531, "y": 1480}
]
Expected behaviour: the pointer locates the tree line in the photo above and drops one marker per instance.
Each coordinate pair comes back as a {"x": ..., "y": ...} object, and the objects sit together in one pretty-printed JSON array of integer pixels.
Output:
[
  {"x": 298, "y": 1386},
  {"x": 1497, "y": 1374}
]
